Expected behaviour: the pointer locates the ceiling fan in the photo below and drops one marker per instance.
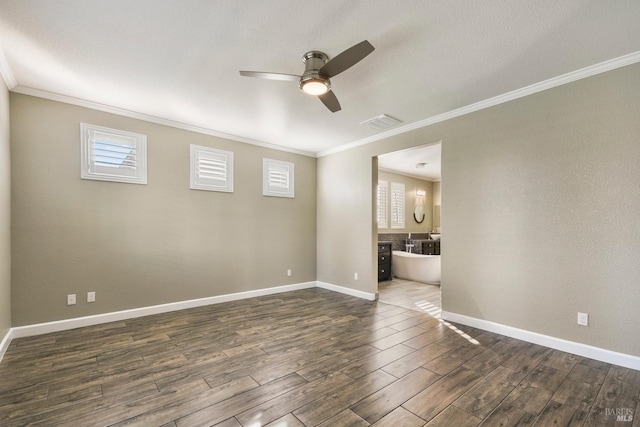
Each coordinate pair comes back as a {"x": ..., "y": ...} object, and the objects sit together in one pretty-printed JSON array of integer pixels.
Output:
[{"x": 318, "y": 69}]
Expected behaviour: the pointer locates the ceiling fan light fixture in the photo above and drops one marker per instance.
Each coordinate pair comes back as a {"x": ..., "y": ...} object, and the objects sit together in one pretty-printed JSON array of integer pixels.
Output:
[
  {"x": 315, "y": 86},
  {"x": 318, "y": 70}
]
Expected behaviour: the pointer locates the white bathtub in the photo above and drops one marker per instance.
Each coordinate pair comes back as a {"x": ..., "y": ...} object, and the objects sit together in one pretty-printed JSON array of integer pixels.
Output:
[{"x": 415, "y": 267}]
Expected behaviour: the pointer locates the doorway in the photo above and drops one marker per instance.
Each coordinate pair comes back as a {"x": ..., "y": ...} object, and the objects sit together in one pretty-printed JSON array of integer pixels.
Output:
[{"x": 408, "y": 199}]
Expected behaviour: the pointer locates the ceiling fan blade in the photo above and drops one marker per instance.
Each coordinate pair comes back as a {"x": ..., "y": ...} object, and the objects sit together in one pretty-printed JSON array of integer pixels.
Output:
[
  {"x": 330, "y": 100},
  {"x": 271, "y": 76},
  {"x": 347, "y": 59}
]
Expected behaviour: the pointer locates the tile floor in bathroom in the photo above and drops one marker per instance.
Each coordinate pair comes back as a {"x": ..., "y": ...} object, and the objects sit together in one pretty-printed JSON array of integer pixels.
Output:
[{"x": 411, "y": 295}]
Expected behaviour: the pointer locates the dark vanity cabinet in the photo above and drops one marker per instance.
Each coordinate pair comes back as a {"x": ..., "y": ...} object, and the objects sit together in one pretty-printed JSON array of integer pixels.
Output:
[
  {"x": 384, "y": 261},
  {"x": 431, "y": 247}
]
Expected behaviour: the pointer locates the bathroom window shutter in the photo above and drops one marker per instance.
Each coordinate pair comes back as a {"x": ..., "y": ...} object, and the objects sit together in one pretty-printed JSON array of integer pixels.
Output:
[
  {"x": 278, "y": 178},
  {"x": 381, "y": 203},
  {"x": 211, "y": 169},
  {"x": 113, "y": 155},
  {"x": 397, "y": 205}
]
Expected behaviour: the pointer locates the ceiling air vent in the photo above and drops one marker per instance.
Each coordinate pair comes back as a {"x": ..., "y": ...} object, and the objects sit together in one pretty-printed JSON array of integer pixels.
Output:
[{"x": 381, "y": 122}]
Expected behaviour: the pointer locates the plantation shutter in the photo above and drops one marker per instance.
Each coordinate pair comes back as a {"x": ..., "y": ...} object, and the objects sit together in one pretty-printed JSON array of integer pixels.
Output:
[
  {"x": 113, "y": 155},
  {"x": 211, "y": 169},
  {"x": 278, "y": 178},
  {"x": 381, "y": 203},
  {"x": 397, "y": 205}
]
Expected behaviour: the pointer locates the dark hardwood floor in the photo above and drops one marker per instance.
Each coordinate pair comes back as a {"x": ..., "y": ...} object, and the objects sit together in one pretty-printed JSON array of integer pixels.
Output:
[{"x": 303, "y": 358}]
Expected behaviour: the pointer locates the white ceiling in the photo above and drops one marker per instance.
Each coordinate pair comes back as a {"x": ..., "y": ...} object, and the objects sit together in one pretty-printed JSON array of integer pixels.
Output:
[
  {"x": 179, "y": 61},
  {"x": 406, "y": 161}
]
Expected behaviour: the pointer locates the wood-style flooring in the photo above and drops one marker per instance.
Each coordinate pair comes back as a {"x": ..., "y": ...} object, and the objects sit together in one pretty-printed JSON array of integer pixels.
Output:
[
  {"x": 304, "y": 358},
  {"x": 411, "y": 295}
]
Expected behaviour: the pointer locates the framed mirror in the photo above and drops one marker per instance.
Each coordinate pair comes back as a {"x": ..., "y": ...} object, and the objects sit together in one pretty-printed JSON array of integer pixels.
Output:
[{"x": 418, "y": 214}]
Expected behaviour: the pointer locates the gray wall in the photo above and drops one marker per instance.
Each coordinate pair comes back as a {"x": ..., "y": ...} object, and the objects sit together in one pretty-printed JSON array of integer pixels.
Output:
[
  {"x": 437, "y": 193},
  {"x": 347, "y": 220},
  {"x": 411, "y": 185},
  {"x": 540, "y": 207},
  {"x": 5, "y": 215},
  {"x": 141, "y": 245}
]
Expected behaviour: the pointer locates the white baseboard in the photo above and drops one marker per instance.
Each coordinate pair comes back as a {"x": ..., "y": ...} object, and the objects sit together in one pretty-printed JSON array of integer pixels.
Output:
[
  {"x": 78, "y": 322},
  {"x": 4, "y": 344},
  {"x": 608, "y": 356},
  {"x": 347, "y": 291}
]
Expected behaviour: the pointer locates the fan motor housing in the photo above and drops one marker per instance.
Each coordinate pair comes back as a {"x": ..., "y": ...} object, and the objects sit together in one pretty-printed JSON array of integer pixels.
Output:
[
  {"x": 317, "y": 71},
  {"x": 313, "y": 61}
]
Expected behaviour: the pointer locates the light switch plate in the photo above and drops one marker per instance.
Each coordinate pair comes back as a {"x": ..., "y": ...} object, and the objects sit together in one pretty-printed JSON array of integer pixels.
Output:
[{"x": 583, "y": 319}]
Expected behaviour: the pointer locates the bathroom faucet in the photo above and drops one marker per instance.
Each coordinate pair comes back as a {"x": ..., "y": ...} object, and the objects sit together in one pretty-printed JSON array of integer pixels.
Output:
[{"x": 408, "y": 244}]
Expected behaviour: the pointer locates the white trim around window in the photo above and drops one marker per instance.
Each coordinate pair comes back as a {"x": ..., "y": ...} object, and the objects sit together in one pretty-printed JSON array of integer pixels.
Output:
[
  {"x": 210, "y": 169},
  {"x": 278, "y": 179},
  {"x": 382, "y": 204},
  {"x": 397, "y": 205},
  {"x": 112, "y": 155}
]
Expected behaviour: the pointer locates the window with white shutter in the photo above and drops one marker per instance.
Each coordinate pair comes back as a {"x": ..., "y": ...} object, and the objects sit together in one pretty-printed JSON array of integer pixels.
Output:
[
  {"x": 211, "y": 169},
  {"x": 397, "y": 205},
  {"x": 113, "y": 155},
  {"x": 381, "y": 203},
  {"x": 278, "y": 178}
]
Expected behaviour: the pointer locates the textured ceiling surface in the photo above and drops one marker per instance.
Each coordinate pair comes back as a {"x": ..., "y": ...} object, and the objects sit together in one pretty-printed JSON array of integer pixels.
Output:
[
  {"x": 180, "y": 60},
  {"x": 420, "y": 162}
]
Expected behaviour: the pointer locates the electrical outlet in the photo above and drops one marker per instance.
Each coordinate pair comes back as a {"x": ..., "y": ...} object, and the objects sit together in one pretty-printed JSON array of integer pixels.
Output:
[
  {"x": 289, "y": 272},
  {"x": 91, "y": 296},
  {"x": 583, "y": 319},
  {"x": 71, "y": 299},
  {"x": 355, "y": 276}
]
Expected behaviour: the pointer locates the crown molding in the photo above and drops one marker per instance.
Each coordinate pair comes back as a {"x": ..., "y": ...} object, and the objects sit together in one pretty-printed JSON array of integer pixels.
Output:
[
  {"x": 612, "y": 64},
  {"x": 563, "y": 79},
  {"x": 12, "y": 85},
  {"x": 39, "y": 93},
  {"x": 5, "y": 71}
]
